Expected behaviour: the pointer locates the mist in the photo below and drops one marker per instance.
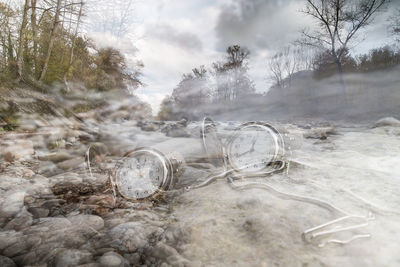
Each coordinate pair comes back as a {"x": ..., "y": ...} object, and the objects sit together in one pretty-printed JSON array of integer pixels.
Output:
[{"x": 199, "y": 133}]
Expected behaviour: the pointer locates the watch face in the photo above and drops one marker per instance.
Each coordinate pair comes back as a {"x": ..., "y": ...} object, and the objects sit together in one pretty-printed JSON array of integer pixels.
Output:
[
  {"x": 253, "y": 147},
  {"x": 141, "y": 174}
]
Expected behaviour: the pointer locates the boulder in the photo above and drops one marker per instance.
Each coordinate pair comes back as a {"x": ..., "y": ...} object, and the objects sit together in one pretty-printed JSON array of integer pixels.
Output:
[{"x": 388, "y": 121}]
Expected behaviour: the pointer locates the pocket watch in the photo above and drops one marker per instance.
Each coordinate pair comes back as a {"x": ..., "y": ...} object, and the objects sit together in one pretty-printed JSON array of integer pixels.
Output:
[
  {"x": 255, "y": 148},
  {"x": 146, "y": 172}
]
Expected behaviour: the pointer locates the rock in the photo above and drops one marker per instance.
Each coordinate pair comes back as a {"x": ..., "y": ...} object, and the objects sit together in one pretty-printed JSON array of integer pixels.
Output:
[
  {"x": 71, "y": 164},
  {"x": 56, "y": 157},
  {"x": 176, "y": 129},
  {"x": 119, "y": 116},
  {"x": 28, "y": 173},
  {"x": 12, "y": 204},
  {"x": 388, "y": 121},
  {"x": 72, "y": 257},
  {"x": 17, "y": 150},
  {"x": 8, "y": 239},
  {"x": 82, "y": 221},
  {"x": 48, "y": 168},
  {"x": 180, "y": 132},
  {"x": 112, "y": 259},
  {"x": 130, "y": 236},
  {"x": 38, "y": 212},
  {"x": 162, "y": 251},
  {"x": 320, "y": 133},
  {"x": 65, "y": 179},
  {"x": 150, "y": 126},
  {"x": 6, "y": 262},
  {"x": 48, "y": 225},
  {"x": 134, "y": 258},
  {"x": 97, "y": 152},
  {"x": 22, "y": 220}
]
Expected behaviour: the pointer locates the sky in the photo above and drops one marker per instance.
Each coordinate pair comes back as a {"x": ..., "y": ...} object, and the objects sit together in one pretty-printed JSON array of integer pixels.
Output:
[{"x": 171, "y": 37}]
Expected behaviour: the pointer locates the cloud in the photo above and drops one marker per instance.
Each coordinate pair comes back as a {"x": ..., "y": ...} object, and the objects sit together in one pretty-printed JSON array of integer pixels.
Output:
[
  {"x": 167, "y": 33},
  {"x": 260, "y": 24}
]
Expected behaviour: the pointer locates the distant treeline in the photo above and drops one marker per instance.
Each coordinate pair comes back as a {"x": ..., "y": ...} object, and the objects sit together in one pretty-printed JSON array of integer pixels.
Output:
[{"x": 317, "y": 67}]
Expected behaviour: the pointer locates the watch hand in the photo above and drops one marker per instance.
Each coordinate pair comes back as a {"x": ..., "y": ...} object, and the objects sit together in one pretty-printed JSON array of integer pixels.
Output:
[
  {"x": 244, "y": 153},
  {"x": 253, "y": 143}
]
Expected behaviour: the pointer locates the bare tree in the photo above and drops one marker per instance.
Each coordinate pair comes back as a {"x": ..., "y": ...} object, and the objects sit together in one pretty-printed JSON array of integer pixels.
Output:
[
  {"x": 112, "y": 17},
  {"x": 284, "y": 64},
  {"x": 71, "y": 56},
  {"x": 34, "y": 36},
  {"x": 231, "y": 76},
  {"x": 54, "y": 29},
  {"x": 338, "y": 22},
  {"x": 21, "y": 37}
]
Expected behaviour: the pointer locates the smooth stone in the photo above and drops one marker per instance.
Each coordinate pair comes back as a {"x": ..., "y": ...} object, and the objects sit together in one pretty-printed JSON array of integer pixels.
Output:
[
  {"x": 162, "y": 251},
  {"x": 6, "y": 262},
  {"x": 39, "y": 212},
  {"x": 56, "y": 157},
  {"x": 22, "y": 220},
  {"x": 71, "y": 163},
  {"x": 388, "y": 121},
  {"x": 72, "y": 257},
  {"x": 112, "y": 259},
  {"x": 130, "y": 236},
  {"x": 82, "y": 220},
  {"x": 9, "y": 238},
  {"x": 12, "y": 204}
]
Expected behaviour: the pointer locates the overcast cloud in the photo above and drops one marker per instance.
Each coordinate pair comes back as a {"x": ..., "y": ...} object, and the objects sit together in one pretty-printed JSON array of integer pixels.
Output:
[{"x": 173, "y": 36}]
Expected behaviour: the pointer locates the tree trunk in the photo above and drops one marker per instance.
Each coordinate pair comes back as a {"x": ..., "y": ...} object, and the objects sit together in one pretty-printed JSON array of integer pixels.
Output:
[
  {"x": 341, "y": 81},
  {"x": 10, "y": 52},
  {"x": 21, "y": 39},
  {"x": 34, "y": 38},
  {"x": 51, "y": 42},
  {"x": 71, "y": 57}
]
